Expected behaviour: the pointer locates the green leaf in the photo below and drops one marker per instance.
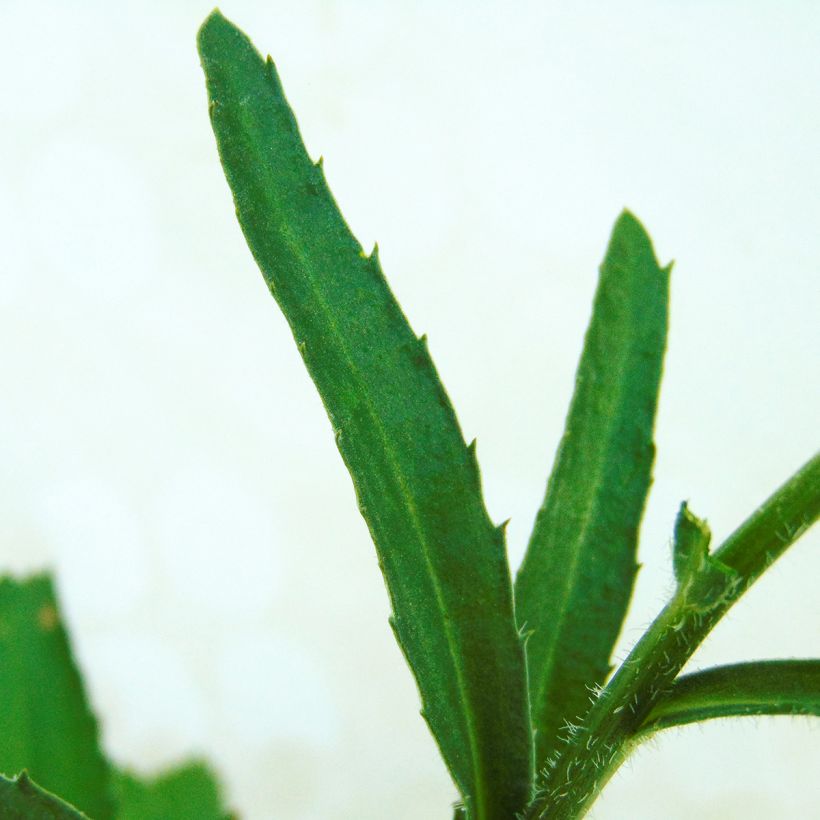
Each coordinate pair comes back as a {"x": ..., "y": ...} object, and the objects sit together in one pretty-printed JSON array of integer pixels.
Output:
[
  {"x": 22, "y": 799},
  {"x": 690, "y": 545},
  {"x": 417, "y": 482},
  {"x": 574, "y": 585},
  {"x": 46, "y": 725},
  {"x": 782, "y": 687},
  {"x": 188, "y": 792},
  {"x": 704, "y": 582}
]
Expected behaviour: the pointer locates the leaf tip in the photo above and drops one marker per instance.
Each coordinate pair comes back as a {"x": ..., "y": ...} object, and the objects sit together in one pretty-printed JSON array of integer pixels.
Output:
[
  {"x": 210, "y": 27},
  {"x": 628, "y": 221},
  {"x": 690, "y": 543},
  {"x": 629, "y": 233}
]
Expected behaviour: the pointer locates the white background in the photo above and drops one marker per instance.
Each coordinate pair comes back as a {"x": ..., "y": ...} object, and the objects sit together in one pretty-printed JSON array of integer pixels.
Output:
[{"x": 162, "y": 447}]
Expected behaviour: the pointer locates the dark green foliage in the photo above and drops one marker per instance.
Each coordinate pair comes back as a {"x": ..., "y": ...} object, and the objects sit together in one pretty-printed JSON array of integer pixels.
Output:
[
  {"x": 416, "y": 480},
  {"x": 574, "y": 585},
  {"x": 46, "y": 725},
  {"x": 444, "y": 561},
  {"x": 418, "y": 488}
]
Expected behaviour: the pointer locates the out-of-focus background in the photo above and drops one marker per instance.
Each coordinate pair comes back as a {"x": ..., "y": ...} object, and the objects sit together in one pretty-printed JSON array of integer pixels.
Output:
[{"x": 162, "y": 447}]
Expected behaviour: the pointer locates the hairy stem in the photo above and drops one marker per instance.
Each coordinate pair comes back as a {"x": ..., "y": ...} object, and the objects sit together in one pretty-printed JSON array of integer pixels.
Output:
[
  {"x": 594, "y": 750},
  {"x": 776, "y": 687}
]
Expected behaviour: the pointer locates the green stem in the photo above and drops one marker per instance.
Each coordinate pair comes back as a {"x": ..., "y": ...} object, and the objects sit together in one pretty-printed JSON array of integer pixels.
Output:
[
  {"x": 595, "y": 749},
  {"x": 779, "y": 687}
]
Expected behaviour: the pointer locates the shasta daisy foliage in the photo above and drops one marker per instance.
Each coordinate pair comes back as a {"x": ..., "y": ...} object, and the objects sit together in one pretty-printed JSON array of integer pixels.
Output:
[
  {"x": 501, "y": 686},
  {"x": 505, "y": 667}
]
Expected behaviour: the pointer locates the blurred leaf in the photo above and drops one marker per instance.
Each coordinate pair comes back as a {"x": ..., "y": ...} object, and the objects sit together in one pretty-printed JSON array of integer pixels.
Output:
[
  {"x": 46, "y": 726},
  {"x": 417, "y": 482},
  {"x": 22, "y": 799},
  {"x": 574, "y": 585},
  {"x": 188, "y": 792}
]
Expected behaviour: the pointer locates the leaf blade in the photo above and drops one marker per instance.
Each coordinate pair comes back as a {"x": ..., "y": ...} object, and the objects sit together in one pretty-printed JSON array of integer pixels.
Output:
[
  {"x": 574, "y": 585},
  {"x": 417, "y": 483},
  {"x": 58, "y": 746},
  {"x": 776, "y": 687}
]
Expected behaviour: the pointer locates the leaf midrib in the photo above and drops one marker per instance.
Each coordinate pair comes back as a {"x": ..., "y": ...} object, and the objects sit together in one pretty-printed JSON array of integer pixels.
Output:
[
  {"x": 590, "y": 509},
  {"x": 397, "y": 474}
]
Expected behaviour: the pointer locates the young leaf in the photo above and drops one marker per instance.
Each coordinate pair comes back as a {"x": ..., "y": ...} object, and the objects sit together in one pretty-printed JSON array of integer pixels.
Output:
[
  {"x": 46, "y": 725},
  {"x": 574, "y": 585},
  {"x": 22, "y": 799},
  {"x": 188, "y": 792},
  {"x": 690, "y": 545},
  {"x": 703, "y": 580},
  {"x": 788, "y": 687},
  {"x": 417, "y": 482}
]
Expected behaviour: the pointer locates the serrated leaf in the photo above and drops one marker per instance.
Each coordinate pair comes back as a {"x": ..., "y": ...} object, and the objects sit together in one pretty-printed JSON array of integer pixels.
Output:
[
  {"x": 778, "y": 687},
  {"x": 46, "y": 725},
  {"x": 22, "y": 799},
  {"x": 417, "y": 483},
  {"x": 574, "y": 585},
  {"x": 187, "y": 792}
]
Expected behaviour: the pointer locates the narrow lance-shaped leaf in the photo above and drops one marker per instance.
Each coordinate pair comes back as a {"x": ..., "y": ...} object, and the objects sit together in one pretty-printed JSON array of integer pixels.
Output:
[
  {"x": 573, "y": 588},
  {"x": 780, "y": 687},
  {"x": 46, "y": 725},
  {"x": 417, "y": 482},
  {"x": 22, "y": 799}
]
